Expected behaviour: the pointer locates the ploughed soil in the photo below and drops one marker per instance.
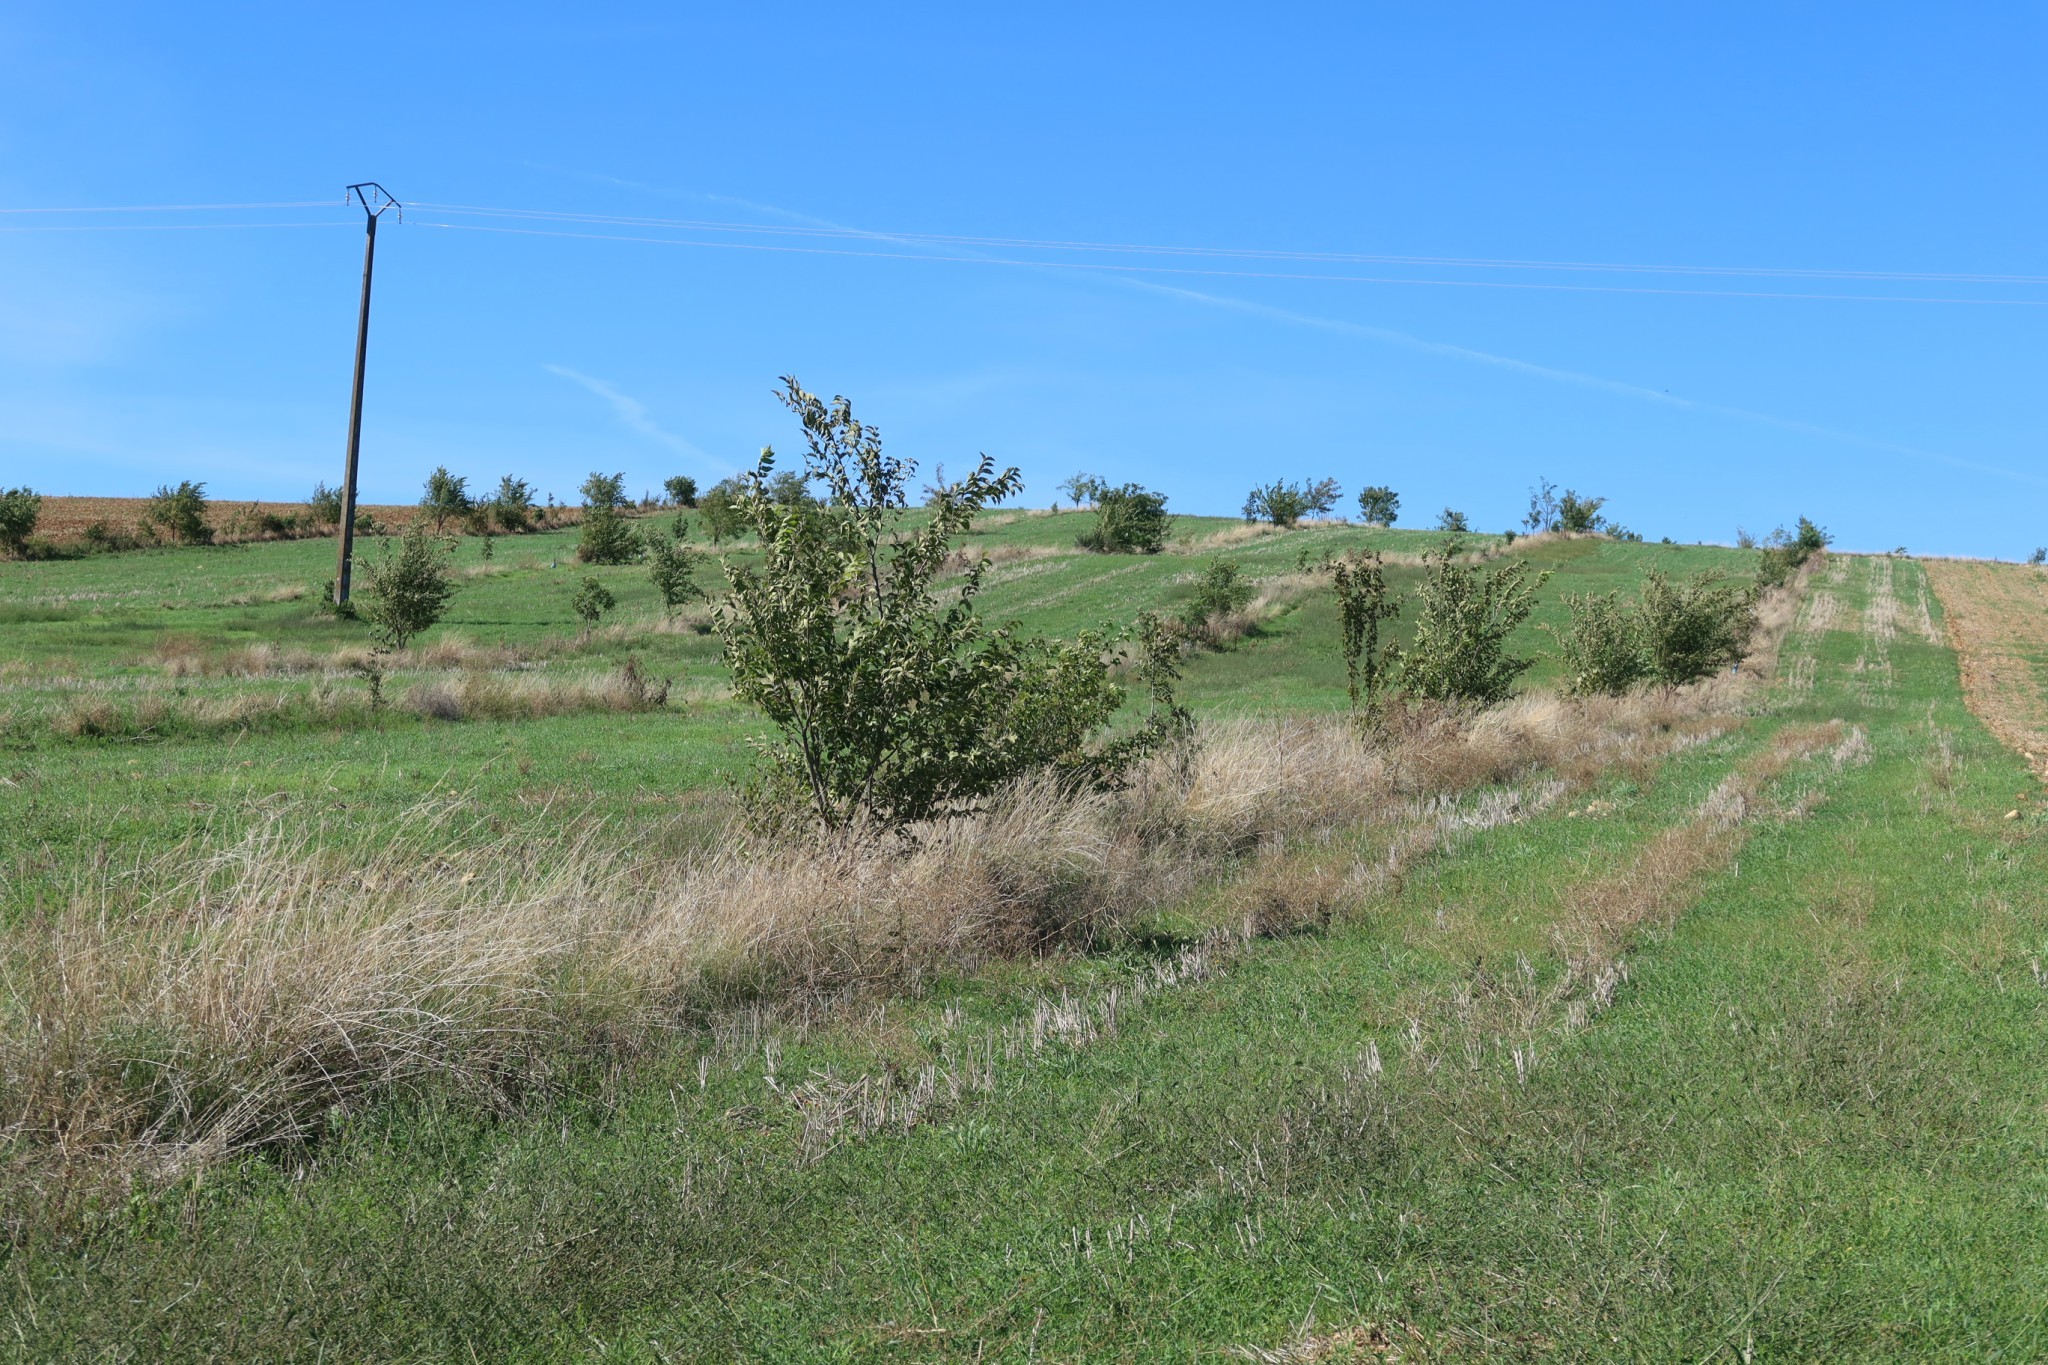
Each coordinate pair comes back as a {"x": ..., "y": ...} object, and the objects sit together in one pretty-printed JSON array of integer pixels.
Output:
[{"x": 1998, "y": 625}]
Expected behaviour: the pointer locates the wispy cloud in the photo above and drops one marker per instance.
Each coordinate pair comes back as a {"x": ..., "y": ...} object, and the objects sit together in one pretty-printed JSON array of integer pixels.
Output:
[{"x": 632, "y": 414}]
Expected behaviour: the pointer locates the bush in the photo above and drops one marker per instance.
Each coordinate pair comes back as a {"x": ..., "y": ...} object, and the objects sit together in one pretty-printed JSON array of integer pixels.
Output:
[
  {"x": 2040, "y": 556},
  {"x": 180, "y": 513},
  {"x": 1602, "y": 649},
  {"x": 1279, "y": 502},
  {"x": 1579, "y": 515},
  {"x": 681, "y": 490},
  {"x": 1453, "y": 522},
  {"x": 1130, "y": 519},
  {"x": 1693, "y": 629},
  {"x": 1379, "y": 505},
  {"x": 605, "y": 490},
  {"x": 1465, "y": 614},
  {"x": 446, "y": 498},
  {"x": 1223, "y": 592},
  {"x": 1362, "y": 605},
  {"x": 1785, "y": 554},
  {"x": 324, "y": 507},
  {"x": 894, "y": 704},
  {"x": 405, "y": 593},
  {"x": 20, "y": 508},
  {"x": 591, "y": 601},
  {"x": 722, "y": 510},
  {"x": 672, "y": 566},
  {"x": 606, "y": 538},
  {"x": 512, "y": 504}
]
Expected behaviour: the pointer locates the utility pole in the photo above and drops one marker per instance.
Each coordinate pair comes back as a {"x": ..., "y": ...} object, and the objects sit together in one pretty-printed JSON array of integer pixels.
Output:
[{"x": 375, "y": 199}]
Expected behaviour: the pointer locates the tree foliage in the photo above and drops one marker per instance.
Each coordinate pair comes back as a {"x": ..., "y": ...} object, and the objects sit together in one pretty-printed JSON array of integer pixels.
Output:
[
  {"x": 405, "y": 593},
  {"x": 1129, "y": 519},
  {"x": 1601, "y": 646},
  {"x": 1694, "y": 628},
  {"x": 607, "y": 537},
  {"x": 591, "y": 600},
  {"x": 20, "y": 508},
  {"x": 179, "y": 512},
  {"x": 1785, "y": 553},
  {"x": 721, "y": 509},
  {"x": 1464, "y": 616},
  {"x": 893, "y": 703},
  {"x": 512, "y": 504},
  {"x": 681, "y": 490},
  {"x": 446, "y": 498},
  {"x": 672, "y": 567},
  {"x": 1379, "y": 505},
  {"x": 324, "y": 506},
  {"x": 1453, "y": 522},
  {"x": 1363, "y": 606},
  {"x": 1222, "y": 592},
  {"x": 1082, "y": 488}
]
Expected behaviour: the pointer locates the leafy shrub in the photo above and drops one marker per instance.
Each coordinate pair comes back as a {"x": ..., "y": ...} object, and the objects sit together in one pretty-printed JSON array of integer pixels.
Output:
[
  {"x": 446, "y": 498},
  {"x": 591, "y": 601},
  {"x": 1362, "y": 605},
  {"x": 788, "y": 488},
  {"x": 1379, "y": 505},
  {"x": 1579, "y": 515},
  {"x": 406, "y": 592},
  {"x": 1692, "y": 629},
  {"x": 512, "y": 504},
  {"x": 1223, "y": 592},
  {"x": 1453, "y": 522},
  {"x": 324, "y": 507},
  {"x": 681, "y": 490},
  {"x": 1465, "y": 614},
  {"x": 894, "y": 704},
  {"x": 1785, "y": 554},
  {"x": 180, "y": 513},
  {"x": 2040, "y": 556},
  {"x": 1130, "y": 519},
  {"x": 672, "y": 566},
  {"x": 606, "y": 536},
  {"x": 722, "y": 510},
  {"x": 1602, "y": 647},
  {"x": 20, "y": 508}
]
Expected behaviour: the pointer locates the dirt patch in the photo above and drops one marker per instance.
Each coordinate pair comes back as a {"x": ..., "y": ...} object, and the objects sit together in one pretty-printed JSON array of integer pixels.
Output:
[
  {"x": 64, "y": 520},
  {"x": 1998, "y": 626}
]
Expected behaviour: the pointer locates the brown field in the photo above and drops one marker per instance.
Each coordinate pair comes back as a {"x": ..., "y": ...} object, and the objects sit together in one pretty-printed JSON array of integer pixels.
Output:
[
  {"x": 1998, "y": 625},
  {"x": 63, "y": 520}
]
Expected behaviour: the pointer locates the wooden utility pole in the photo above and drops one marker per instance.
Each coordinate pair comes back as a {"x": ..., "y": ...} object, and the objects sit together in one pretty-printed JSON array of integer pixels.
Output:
[{"x": 374, "y": 199}]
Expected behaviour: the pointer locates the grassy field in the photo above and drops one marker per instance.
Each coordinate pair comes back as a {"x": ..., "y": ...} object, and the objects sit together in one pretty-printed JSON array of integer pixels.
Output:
[{"x": 1694, "y": 1029}]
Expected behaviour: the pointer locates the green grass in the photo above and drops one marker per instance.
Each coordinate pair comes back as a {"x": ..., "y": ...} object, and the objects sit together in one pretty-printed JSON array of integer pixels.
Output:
[{"x": 1810, "y": 1125}]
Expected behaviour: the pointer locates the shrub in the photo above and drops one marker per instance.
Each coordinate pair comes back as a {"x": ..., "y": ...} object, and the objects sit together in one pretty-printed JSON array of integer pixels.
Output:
[
  {"x": 20, "y": 508},
  {"x": 1362, "y": 605},
  {"x": 1453, "y": 522},
  {"x": 1223, "y": 592},
  {"x": 1785, "y": 554},
  {"x": 1579, "y": 515},
  {"x": 446, "y": 498},
  {"x": 324, "y": 507},
  {"x": 1278, "y": 502},
  {"x": 591, "y": 601},
  {"x": 180, "y": 513},
  {"x": 722, "y": 510},
  {"x": 789, "y": 488},
  {"x": 1602, "y": 648},
  {"x": 512, "y": 504},
  {"x": 605, "y": 490},
  {"x": 894, "y": 704},
  {"x": 681, "y": 490},
  {"x": 2040, "y": 556},
  {"x": 606, "y": 537},
  {"x": 1379, "y": 505},
  {"x": 1465, "y": 614},
  {"x": 672, "y": 566},
  {"x": 405, "y": 593},
  {"x": 1693, "y": 629},
  {"x": 1127, "y": 519}
]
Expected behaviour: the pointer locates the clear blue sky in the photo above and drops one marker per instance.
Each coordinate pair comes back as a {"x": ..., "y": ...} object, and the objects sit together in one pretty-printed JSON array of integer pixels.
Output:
[{"x": 1880, "y": 140}]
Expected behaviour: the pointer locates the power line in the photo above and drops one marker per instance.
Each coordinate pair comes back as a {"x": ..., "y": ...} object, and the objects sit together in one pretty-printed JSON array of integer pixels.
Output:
[
  {"x": 1114, "y": 268},
  {"x": 162, "y": 227},
  {"x": 179, "y": 208}
]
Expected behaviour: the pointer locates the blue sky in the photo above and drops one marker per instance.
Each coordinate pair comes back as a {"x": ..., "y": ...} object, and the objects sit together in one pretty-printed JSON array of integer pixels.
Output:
[{"x": 1828, "y": 150}]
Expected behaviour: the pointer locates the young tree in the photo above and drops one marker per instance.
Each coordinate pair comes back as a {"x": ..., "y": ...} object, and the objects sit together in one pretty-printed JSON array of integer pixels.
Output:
[
  {"x": 672, "y": 566},
  {"x": 2040, "y": 555},
  {"x": 1453, "y": 522},
  {"x": 1695, "y": 628},
  {"x": 591, "y": 601},
  {"x": 1602, "y": 647},
  {"x": 1784, "y": 553},
  {"x": 405, "y": 593},
  {"x": 1362, "y": 606},
  {"x": 721, "y": 508},
  {"x": 1082, "y": 488},
  {"x": 1543, "y": 508},
  {"x": 1321, "y": 496},
  {"x": 895, "y": 703},
  {"x": 1465, "y": 614},
  {"x": 788, "y": 488},
  {"x": 1379, "y": 505},
  {"x": 606, "y": 537},
  {"x": 512, "y": 504},
  {"x": 1579, "y": 515},
  {"x": 446, "y": 498},
  {"x": 1222, "y": 592},
  {"x": 681, "y": 490},
  {"x": 20, "y": 508},
  {"x": 324, "y": 507},
  {"x": 1127, "y": 520},
  {"x": 1279, "y": 502},
  {"x": 180, "y": 512}
]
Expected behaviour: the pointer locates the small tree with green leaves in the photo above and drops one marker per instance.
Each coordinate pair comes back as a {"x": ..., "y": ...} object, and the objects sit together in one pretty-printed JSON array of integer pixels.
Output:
[
  {"x": 1128, "y": 520},
  {"x": 1580, "y": 515},
  {"x": 1222, "y": 592},
  {"x": 681, "y": 490},
  {"x": 1279, "y": 503},
  {"x": 591, "y": 601},
  {"x": 512, "y": 504},
  {"x": 1785, "y": 553},
  {"x": 1363, "y": 606},
  {"x": 721, "y": 508},
  {"x": 1694, "y": 628},
  {"x": 672, "y": 567},
  {"x": 894, "y": 703},
  {"x": 1379, "y": 505},
  {"x": 180, "y": 513},
  {"x": 1321, "y": 496},
  {"x": 1464, "y": 616},
  {"x": 607, "y": 537},
  {"x": 1601, "y": 648},
  {"x": 406, "y": 591},
  {"x": 1453, "y": 522},
  {"x": 2039, "y": 557},
  {"x": 324, "y": 507},
  {"x": 20, "y": 508},
  {"x": 1082, "y": 489},
  {"x": 446, "y": 498}
]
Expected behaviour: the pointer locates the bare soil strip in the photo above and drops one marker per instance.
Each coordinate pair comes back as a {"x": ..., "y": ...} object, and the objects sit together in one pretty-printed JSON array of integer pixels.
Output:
[{"x": 1998, "y": 626}]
